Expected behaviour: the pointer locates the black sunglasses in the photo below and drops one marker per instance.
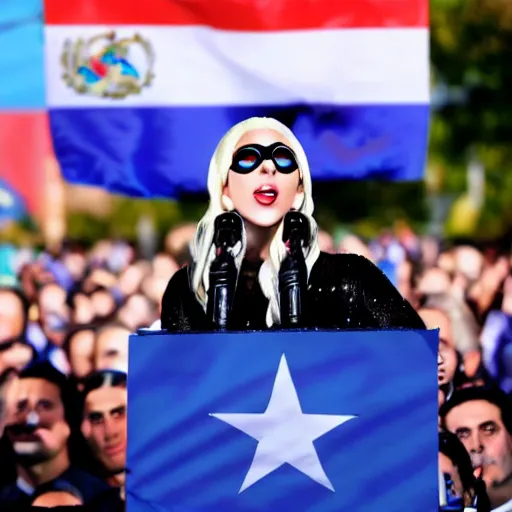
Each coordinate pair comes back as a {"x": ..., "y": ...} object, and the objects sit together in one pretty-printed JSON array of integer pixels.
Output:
[{"x": 248, "y": 158}]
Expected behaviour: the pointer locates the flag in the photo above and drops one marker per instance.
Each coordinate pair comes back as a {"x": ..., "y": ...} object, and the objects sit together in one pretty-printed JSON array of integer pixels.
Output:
[
  {"x": 275, "y": 421},
  {"x": 25, "y": 148},
  {"x": 22, "y": 57},
  {"x": 12, "y": 207},
  {"x": 141, "y": 92},
  {"x": 24, "y": 131}
]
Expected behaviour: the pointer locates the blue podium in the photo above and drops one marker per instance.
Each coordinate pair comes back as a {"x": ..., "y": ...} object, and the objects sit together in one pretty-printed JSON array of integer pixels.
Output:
[{"x": 291, "y": 421}]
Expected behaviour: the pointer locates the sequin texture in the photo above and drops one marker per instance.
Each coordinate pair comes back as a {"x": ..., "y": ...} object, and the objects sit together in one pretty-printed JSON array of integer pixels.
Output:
[{"x": 345, "y": 291}]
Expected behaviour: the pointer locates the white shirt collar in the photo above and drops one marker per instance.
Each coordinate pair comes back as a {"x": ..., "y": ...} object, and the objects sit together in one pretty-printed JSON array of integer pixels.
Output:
[{"x": 24, "y": 486}]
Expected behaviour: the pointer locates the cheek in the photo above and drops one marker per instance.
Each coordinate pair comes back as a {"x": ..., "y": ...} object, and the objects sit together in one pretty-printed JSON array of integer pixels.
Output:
[
  {"x": 450, "y": 360},
  {"x": 96, "y": 438},
  {"x": 499, "y": 446},
  {"x": 288, "y": 186},
  {"x": 57, "y": 435},
  {"x": 240, "y": 185}
]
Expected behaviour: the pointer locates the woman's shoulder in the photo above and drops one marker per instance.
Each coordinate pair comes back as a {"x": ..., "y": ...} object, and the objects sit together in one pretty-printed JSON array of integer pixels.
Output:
[
  {"x": 178, "y": 287},
  {"x": 180, "y": 277},
  {"x": 357, "y": 276},
  {"x": 179, "y": 307}
]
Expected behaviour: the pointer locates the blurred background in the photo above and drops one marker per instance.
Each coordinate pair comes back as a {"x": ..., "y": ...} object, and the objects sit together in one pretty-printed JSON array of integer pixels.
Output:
[
  {"x": 465, "y": 193},
  {"x": 82, "y": 267}
]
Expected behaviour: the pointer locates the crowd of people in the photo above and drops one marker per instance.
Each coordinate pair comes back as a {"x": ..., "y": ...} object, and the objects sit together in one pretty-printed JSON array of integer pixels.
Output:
[{"x": 65, "y": 321}]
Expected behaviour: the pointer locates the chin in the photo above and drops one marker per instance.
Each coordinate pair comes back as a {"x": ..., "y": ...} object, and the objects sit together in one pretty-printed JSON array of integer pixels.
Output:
[
  {"x": 265, "y": 219},
  {"x": 115, "y": 467}
]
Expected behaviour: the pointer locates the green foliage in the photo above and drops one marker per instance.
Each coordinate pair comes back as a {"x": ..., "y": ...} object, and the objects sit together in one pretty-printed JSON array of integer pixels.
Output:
[
  {"x": 86, "y": 227},
  {"x": 369, "y": 206},
  {"x": 125, "y": 215},
  {"x": 471, "y": 47}
]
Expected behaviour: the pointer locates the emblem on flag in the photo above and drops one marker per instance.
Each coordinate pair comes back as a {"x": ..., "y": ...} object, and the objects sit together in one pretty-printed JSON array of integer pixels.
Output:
[
  {"x": 108, "y": 66},
  {"x": 6, "y": 199}
]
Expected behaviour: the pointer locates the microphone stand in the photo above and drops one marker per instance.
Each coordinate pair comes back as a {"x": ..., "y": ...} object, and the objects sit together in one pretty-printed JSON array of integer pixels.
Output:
[
  {"x": 293, "y": 271},
  {"x": 223, "y": 272}
]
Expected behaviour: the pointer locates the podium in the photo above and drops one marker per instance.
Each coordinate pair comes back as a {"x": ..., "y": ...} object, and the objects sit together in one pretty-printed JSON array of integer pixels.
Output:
[{"x": 320, "y": 421}]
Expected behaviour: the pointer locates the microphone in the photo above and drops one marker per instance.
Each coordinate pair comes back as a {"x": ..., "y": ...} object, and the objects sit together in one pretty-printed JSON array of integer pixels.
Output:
[
  {"x": 293, "y": 271},
  {"x": 228, "y": 230}
]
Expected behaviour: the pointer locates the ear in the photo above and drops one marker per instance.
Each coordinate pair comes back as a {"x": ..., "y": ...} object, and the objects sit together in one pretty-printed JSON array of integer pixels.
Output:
[{"x": 225, "y": 200}]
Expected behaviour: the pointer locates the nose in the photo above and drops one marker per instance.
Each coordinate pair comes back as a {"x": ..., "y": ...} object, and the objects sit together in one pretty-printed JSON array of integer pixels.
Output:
[
  {"x": 32, "y": 418},
  {"x": 111, "y": 432},
  {"x": 474, "y": 444},
  {"x": 440, "y": 359},
  {"x": 268, "y": 167},
  {"x": 28, "y": 416}
]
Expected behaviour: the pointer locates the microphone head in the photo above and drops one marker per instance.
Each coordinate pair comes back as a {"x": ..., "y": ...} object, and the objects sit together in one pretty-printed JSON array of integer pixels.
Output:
[
  {"x": 296, "y": 225},
  {"x": 228, "y": 228}
]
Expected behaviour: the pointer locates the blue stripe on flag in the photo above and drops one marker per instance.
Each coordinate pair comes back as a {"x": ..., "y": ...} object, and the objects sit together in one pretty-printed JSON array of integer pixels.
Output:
[
  {"x": 21, "y": 59},
  {"x": 160, "y": 152}
]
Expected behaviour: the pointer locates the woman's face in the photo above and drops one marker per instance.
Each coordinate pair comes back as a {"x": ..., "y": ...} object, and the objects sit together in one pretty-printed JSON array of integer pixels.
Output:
[{"x": 264, "y": 195}]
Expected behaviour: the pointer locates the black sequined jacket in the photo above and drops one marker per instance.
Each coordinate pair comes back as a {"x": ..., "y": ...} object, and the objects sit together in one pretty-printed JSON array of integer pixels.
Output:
[{"x": 345, "y": 291}]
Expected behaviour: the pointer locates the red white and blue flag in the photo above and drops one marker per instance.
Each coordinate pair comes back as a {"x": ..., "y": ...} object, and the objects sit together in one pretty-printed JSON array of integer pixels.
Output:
[{"x": 140, "y": 92}]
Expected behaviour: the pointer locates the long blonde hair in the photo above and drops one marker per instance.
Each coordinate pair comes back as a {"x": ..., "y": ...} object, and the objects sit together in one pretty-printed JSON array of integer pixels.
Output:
[{"x": 202, "y": 248}]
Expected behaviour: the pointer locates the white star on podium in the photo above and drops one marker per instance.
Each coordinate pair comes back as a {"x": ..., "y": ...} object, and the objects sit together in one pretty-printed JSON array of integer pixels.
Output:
[{"x": 284, "y": 433}]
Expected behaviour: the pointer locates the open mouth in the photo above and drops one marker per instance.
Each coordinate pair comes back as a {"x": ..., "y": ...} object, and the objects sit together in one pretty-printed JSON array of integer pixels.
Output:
[
  {"x": 27, "y": 438},
  {"x": 266, "y": 195},
  {"x": 23, "y": 433}
]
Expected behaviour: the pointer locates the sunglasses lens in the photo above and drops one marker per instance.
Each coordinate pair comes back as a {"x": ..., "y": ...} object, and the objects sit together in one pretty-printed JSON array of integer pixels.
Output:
[
  {"x": 284, "y": 159},
  {"x": 247, "y": 160}
]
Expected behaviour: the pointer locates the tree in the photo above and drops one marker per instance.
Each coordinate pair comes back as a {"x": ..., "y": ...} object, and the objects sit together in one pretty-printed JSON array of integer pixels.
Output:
[{"x": 471, "y": 45}]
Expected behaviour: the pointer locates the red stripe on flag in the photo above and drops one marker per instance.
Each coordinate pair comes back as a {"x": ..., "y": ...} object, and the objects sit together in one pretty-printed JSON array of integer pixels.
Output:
[
  {"x": 247, "y": 15},
  {"x": 25, "y": 143}
]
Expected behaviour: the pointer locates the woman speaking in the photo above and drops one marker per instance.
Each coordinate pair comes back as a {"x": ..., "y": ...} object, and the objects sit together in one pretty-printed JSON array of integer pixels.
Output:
[{"x": 259, "y": 174}]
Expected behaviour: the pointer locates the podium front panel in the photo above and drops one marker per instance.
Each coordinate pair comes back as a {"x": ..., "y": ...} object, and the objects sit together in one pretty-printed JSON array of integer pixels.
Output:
[{"x": 320, "y": 421}]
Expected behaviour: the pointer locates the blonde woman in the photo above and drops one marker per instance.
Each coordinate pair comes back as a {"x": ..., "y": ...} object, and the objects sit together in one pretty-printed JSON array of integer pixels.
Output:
[{"x": 260, "y": 170}]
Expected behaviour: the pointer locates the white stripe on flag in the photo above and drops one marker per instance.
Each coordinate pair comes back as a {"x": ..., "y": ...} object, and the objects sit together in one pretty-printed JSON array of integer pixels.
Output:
[{"x": 197, "y": 66}]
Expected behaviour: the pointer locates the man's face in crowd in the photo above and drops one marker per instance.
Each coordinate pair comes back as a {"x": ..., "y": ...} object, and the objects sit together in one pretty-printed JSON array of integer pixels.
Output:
[
  {"x": 11, "y": 315},
  {"x": 37, "y": 428},
  {"x": 111, "y": 350},
  {"x": 478, "y": 424},
  {"x": 102, "y": 303},
  {"x": 137, "y": 313},
  {"x": 54, "y": 312},
  {"x": 76, "y": 264},
  {"x": 447, "y": 360},
  {"x": 434, "y": 280},
  {"x": 83, "y": 312},
  {"x": 104, "y": 426},
  {"x": 81, "y": 351},
  {"x": 12, "y": 319}
]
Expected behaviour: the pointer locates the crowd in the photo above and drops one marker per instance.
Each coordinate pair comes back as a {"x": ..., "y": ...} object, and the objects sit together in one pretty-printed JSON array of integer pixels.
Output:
[{"x": 65, "y": 321}]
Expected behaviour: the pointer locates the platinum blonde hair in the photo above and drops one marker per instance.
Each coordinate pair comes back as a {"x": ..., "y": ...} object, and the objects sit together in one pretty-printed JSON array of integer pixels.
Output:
[{"x": 202, "y": 248}]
